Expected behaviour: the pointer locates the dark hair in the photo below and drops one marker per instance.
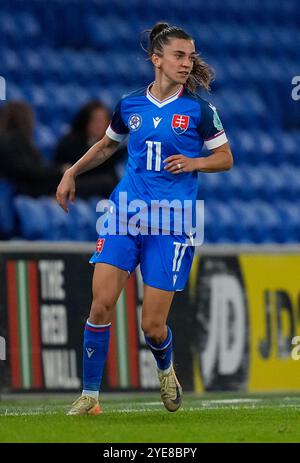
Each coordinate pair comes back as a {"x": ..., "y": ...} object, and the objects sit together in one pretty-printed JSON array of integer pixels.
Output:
[
  {"x": 82, "y": 118},
  {"x": 17, "y": 116},
  {"x": 201, "y": 75}
]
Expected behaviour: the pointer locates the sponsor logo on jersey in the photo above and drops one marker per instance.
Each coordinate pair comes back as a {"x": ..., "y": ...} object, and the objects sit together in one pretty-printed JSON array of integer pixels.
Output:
[
  {"x": 135, "y": 122},
  {"x": 180, "y": 123},
  {"x": 156, "y": 121},
  {"x": 100, "y": 244},
  {"x": 89, "y": 351}
]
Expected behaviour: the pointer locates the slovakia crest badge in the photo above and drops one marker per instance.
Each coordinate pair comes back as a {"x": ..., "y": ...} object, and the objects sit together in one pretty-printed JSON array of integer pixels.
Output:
[{"x": 180, "y": 123}]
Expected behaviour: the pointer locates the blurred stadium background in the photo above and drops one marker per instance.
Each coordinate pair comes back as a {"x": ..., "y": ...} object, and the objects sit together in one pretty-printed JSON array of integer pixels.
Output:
[
  {"x": 60, "y": 56},
  {"x": 240, "y": 311}
]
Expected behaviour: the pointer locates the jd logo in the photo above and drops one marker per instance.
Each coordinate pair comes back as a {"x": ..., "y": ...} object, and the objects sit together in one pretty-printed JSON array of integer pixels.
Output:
[
  {"x": 280, "y": 322},
  {"x": 222, "y": 323},
  {"x": 2, "y": 348}
]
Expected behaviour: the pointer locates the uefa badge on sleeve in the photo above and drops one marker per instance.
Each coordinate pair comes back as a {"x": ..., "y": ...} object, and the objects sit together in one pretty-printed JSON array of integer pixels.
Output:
[
  {"x": 135, "y": 122},
  {"x": 180, "y": 123}
]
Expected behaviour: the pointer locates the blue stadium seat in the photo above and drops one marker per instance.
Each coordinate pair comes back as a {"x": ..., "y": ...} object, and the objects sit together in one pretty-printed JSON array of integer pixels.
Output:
[
  {"x": 245, "y": 225},
  {"x": 32, "y": 218},
  {"x": 7, "y": 215},
  {"x": 83, "y": 221},
  {"x": 57, "y": 58},
  {"x": 60, "y": 225},
  {"x": 290, "y": 221}
]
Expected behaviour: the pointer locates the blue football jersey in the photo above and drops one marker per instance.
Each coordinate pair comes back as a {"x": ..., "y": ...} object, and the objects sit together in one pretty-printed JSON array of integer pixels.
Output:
[{"x": 180, "y": 124}]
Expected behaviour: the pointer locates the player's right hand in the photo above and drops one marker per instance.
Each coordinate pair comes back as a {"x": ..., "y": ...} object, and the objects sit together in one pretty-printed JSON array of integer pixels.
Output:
[{"x": 66, "y": 190}]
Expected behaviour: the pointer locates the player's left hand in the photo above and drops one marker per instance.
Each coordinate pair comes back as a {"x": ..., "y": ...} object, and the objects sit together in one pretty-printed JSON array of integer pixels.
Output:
[{"x": 178, "y": 164}]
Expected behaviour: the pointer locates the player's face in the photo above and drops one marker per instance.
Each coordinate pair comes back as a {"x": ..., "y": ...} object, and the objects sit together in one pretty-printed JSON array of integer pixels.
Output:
[{"x": 178, "y": 59}]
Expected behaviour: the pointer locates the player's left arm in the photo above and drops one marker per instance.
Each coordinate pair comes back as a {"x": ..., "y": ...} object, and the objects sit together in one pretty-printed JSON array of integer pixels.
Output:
[
  {"x": 211, "y": 131},
  {"x": 219, "y": 160}
]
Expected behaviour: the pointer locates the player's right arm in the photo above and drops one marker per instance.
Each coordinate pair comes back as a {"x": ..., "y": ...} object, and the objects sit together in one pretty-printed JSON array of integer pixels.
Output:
[{"x": 96, "y": 155}]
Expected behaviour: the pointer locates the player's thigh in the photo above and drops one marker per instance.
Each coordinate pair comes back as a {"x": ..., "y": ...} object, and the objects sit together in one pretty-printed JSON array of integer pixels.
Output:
[
  {"x": 108, "y": 282},
  {"x": 156, "y": 306}
]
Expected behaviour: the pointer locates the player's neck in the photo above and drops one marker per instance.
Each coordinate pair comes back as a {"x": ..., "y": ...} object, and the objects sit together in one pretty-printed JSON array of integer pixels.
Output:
[{"x": 162, "y": 90}]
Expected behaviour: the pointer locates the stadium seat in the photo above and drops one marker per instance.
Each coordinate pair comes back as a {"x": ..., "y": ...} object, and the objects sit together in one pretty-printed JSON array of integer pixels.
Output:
[
  {"x": 83, "y": 221},
  {"x": 7, "y": 215},
  {"x": 60, "y": 225},
  {"x": 58, "y": 58},
  {"x": 32, "y": 219}
]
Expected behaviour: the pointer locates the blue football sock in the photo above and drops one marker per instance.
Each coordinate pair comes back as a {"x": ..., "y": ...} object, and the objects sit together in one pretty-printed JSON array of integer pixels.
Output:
[
  {"x": 95, "y": 350},
  {"x": 163, "y": 351}
]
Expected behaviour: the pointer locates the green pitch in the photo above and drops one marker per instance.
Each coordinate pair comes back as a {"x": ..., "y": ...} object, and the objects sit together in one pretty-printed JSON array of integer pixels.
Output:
[{"x": 206, "y": 418}]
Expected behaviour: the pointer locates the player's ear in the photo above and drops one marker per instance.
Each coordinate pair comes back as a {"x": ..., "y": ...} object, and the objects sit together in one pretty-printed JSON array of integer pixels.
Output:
[{"x": 156, "y": 60}]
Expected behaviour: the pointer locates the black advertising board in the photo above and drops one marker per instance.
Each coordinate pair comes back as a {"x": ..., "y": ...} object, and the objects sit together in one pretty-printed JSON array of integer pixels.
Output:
[{"x": 235, "y": 326}]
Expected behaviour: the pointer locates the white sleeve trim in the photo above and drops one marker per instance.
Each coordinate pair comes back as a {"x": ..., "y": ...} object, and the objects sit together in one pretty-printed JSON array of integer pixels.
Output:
[
  {"x": 115, "y": 136},
  {"x": 217, "y": 141}
]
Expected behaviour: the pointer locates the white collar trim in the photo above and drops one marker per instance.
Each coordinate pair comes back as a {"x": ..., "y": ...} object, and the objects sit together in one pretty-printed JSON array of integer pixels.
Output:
[{"x": 164, "y": 102}]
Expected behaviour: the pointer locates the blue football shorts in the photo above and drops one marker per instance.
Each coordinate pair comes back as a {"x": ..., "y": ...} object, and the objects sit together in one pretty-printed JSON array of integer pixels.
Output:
[{"x": 165, "y": 260}]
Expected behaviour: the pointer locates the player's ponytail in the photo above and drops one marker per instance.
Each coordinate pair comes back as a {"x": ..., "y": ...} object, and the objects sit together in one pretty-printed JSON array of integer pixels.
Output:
[{"x": 201, "y": 75}]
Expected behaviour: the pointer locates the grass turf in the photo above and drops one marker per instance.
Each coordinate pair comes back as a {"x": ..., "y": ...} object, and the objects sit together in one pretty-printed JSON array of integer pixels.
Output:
[{"x": 206, "y": 418}]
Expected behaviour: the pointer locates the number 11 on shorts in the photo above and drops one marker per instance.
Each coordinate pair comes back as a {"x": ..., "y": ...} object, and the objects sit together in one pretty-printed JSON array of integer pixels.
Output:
[{"x": 180, "y": 249}]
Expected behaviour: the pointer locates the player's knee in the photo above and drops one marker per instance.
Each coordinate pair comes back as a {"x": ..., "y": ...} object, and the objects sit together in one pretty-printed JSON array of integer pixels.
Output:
[
  {"x": 154, "y": 330},
  {"x": 101, "y": 311}
]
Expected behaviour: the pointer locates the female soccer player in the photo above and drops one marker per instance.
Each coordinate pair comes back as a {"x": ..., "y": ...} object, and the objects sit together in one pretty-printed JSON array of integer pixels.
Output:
[{"x": 167, "y": 123}]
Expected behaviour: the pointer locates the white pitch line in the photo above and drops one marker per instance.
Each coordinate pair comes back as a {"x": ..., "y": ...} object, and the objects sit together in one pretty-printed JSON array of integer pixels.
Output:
[
  {"x": 152, "y": 403},
  {"x": 230, "y": 401},
  {"x": 250, "y": 404},
  {"x": 215, "y": 401},
  {"x": 29, "y": 413}
]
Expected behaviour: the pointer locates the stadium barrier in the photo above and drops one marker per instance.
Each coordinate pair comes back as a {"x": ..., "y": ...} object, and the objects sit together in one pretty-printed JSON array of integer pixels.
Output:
[{"x": 235, "y": 325}]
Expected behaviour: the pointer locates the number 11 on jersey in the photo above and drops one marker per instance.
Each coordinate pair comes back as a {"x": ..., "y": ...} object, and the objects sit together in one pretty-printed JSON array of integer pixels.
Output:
[{"x": 153, "y": 146}]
